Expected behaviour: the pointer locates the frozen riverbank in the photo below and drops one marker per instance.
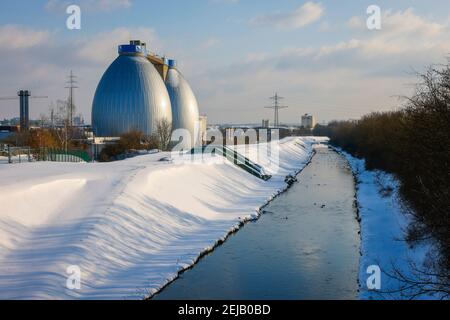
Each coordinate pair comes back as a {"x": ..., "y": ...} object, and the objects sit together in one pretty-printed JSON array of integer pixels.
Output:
[
  {"x": 383, "y": 225},
  {"x": 130, "y": 226}
]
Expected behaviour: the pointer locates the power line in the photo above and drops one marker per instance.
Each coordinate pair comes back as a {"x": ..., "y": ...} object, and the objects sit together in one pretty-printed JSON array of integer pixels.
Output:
[
  {"x": 276, "y": 106},
  {"x": 71, "y": 86}
]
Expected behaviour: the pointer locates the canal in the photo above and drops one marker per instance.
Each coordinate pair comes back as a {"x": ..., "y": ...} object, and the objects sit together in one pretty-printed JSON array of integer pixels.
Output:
[{"x": 305, "y": 245}]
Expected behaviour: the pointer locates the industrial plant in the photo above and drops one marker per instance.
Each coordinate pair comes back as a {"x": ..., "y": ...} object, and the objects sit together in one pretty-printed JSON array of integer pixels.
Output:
[
  {"x": 138, "y": 91},
  {"x": 185, "y": 114}
]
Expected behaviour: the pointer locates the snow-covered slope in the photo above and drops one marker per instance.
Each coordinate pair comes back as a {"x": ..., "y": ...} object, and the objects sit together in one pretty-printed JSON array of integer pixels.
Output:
[{"x": 130, "y": 226}]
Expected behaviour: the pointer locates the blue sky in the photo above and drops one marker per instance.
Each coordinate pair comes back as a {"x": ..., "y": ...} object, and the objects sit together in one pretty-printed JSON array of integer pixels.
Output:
[{"x": 235, "y": 53}]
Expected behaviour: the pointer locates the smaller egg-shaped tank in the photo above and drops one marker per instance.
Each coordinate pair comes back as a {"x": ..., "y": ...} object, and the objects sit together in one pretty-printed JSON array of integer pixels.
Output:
[
  {"x": 130, "y": 96},
  {"x": 185, "y": 114}
]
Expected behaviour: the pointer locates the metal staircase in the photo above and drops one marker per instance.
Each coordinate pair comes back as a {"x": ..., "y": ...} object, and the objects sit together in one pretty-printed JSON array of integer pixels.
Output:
[{"x": 236, "y": 158}]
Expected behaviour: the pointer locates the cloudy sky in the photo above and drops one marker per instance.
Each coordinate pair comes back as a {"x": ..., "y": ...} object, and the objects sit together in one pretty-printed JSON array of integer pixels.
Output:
[{"x": 319, "y": 55}]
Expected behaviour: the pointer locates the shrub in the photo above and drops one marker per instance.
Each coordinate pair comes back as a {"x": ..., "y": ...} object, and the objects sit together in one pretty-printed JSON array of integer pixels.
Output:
[
  {"x": 414, "y": 144},
  {"x": 131, "y": 141}
]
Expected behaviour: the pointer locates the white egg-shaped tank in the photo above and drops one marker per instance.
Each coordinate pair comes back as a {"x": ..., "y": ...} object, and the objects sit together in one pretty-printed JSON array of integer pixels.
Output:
[
  {"x": 130, "y": 96},
  {"x": 185, "y": 114}
]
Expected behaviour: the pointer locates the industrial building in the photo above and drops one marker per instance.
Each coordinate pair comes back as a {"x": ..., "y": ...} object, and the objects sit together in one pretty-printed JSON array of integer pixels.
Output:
[
  {"x": 140, "y": 89},
  {"x": 185, "y": 113},
  {"x": 130, "y": 96},
  {"x": 308, "y": 121},
  {"x": 24, "y": 106}
]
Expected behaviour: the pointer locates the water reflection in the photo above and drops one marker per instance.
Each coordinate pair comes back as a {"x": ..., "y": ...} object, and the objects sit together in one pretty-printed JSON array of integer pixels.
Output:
[{"x": 306, "y": 245}]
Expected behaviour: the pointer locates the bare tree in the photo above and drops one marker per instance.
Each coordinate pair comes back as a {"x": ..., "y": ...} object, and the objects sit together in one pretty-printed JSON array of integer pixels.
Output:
[
  {"x": 421, "y": 281},
  {"x": 164, "y": 132},
  {"x": 151, "y": 141},
  {"x": 413, "y": 143},
  {"x": 62, "y": 119}
]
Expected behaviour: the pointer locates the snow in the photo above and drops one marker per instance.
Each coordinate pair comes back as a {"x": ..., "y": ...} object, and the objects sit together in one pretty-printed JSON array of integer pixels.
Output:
[
  {"x": 130, "y": 226},
  {"x": 14, "y": 159},
  {"x": 383, "y": 226}
]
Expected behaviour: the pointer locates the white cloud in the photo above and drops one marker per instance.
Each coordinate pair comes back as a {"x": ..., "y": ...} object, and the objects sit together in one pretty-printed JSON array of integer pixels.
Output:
[
  {"x": 17, "y": 37},
  {"x": 103, "y": 46},
  {"x": 298, "y": 52},
  {"x": 40, "y": 61},
  {"x": 401, "y": 24},
  {"x": 408, "y": 23},
  {"x": 341, "y": 46},
  {"x": 363, "y": 72},
  {"x": 342, "y": 78},
  {"x": 356, "y": 23},
  {"x": 403, "y": 33},
  {"x": 309, "y": 13}
]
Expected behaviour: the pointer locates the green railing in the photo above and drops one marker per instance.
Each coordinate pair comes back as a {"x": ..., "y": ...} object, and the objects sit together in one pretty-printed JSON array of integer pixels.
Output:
[
  {"x": 236, "y": 158},
  {"x": 27, "y": 154},
  {"x": 60, "y": 155}
]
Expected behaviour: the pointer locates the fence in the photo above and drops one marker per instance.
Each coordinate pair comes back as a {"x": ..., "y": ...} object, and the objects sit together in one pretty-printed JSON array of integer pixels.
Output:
[
  {"x": 10, "y": 154},
  {"x": 60, "y": 155}
]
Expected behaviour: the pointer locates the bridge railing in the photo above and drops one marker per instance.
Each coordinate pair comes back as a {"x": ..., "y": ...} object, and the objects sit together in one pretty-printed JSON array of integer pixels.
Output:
[{"x": 237, "y": 159}]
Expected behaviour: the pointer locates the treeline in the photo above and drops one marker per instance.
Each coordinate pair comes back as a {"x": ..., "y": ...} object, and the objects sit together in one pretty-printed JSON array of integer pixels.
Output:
[
  {"x": 414, "y": 144},
  {"x": 54, "y": 138}
]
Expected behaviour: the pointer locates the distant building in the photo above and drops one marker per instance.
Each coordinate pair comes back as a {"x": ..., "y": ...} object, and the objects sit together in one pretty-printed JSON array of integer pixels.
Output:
[
  {"x": 78, "y": 121},
  {"x": 308, "y": 121},
  {"x": 10, "y": 122},
  {"x": 265, "y": 123}
]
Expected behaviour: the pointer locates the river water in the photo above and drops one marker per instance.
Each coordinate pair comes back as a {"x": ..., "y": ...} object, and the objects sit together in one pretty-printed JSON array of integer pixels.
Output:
[{"x": 305, "y": 245}]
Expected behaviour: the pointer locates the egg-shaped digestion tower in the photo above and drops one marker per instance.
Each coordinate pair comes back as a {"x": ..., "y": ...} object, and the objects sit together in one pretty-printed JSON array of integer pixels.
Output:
[
  {"x": 185, "y": 114},
  {"x": 130, "y": 96}
]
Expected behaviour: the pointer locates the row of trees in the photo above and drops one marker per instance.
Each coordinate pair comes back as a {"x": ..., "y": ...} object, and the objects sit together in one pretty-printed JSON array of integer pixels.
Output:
[
  {"x": 56, "y": 138},
  {"x": 414, "y": 144}
]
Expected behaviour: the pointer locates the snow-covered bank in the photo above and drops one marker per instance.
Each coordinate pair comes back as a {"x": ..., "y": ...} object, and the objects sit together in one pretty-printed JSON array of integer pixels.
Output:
[
  {"x": 383, "y": 225},
  {"x": 130, "y": 226}
]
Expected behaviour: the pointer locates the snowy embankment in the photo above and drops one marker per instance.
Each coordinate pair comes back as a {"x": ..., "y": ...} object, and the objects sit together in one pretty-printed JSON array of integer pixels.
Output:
[
  {"x": 130, "y": 226},
  {"x": 383, "y": 226}
]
